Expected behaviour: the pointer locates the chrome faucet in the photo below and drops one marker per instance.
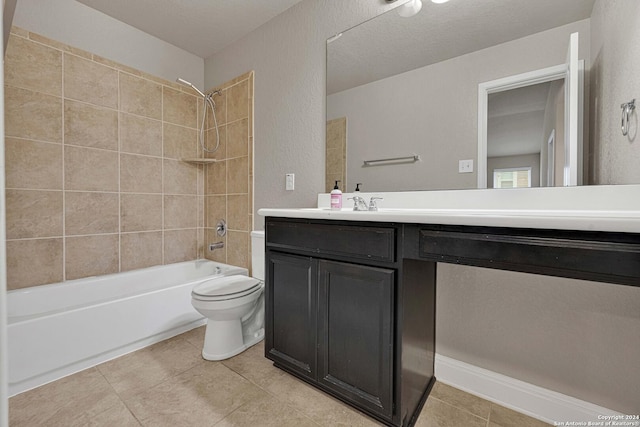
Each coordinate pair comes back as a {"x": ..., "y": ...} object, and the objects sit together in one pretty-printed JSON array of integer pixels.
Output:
[
  {"x": 217, "y": 245},
  {"x": 372, "y": 203},
  {"x": 359, "y": 204}
]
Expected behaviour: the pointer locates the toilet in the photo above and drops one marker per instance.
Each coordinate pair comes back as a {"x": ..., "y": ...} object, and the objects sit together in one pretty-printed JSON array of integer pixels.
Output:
[{"x": 234, "y": 307}]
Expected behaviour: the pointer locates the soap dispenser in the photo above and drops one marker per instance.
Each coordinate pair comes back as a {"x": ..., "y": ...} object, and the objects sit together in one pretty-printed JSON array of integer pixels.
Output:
[{"x": 336, "y": 197}]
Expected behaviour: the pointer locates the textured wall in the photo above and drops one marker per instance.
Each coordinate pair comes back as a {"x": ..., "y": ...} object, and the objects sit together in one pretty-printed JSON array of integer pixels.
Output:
[
  {"x": 288, "y": 57},
  {"x": 515, "y": 324},
  {"x": 75, "y": 24},
  {"x": 615, "y": 70}
]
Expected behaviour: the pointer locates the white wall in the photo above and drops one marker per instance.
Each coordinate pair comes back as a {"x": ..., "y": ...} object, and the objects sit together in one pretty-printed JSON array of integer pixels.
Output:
[
  {"x": 288, "y": 56},
  {"x": 433, "y": 111},
  {"x": 616, "y": 70},
  {"x": 77, "y": 25}
]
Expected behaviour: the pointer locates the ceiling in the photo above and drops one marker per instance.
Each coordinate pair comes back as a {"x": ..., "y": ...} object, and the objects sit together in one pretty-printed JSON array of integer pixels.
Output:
[
  {"x": 202, "y": 27},
  {"x": 390, "y": 44}
]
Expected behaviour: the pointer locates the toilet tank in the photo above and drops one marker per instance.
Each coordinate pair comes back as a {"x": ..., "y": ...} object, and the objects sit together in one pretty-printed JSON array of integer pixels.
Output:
[{"x": 257, "y": 254}]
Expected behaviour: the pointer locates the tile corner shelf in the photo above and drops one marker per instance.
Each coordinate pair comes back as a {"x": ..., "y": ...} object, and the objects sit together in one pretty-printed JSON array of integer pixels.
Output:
[{"x": 199, "y": 161}]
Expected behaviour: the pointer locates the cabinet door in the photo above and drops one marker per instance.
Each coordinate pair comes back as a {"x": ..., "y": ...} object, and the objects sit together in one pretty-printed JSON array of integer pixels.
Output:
[
  {"x": 290, "y": 311},
  {"x": 355, "y": 315}
]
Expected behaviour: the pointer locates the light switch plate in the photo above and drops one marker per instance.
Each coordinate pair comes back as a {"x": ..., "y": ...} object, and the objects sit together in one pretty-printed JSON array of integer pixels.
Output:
[
  {"x": 465, "y": 166},
  {"x": 290, "y": 181}
]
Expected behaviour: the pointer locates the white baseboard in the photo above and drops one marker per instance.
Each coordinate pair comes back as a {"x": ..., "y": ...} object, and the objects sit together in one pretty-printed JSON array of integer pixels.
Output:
[{"x": 537, "y": 402}]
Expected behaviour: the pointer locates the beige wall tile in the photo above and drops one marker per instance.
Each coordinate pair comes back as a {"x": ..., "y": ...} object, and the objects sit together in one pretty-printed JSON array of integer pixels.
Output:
[
  {"x": 238, "y": 248},
  {"x": 33, "y": 213},
  {"x": 238, "y": 175},
  {"x": 218, "y": 255},
  {"x": 32, "y": 164},
  {"x": 200, "y": 243},
  {"x": 215, "y": 210},
  {"x": 32, "y": 115},
  {"x": 33, "y": 66},
  {"x": 91, "y": 255},
  {"x": 180, "y": 177},
  {"x": 180, "y": 245},
  {"x": 335, "y": 162},
  {"x": 140, "y": 96},
  {"x": 211, "y": 142},
  {"x": 140, "y": 212},
  {"x": 220, "y": 102},
  {"x": 88, "y": 169},
  {"x": 201, "y": 207},
  {"x": 89, "y": 81},
  {"x": 179, "y": 108},
  {"x": 238, "y": 212},
  {"x": 238, "y": 102},
  {"x": 140, "y": 135},
  {"x": 140, "y": 174},
  {"x": 19, "y": 31},
  {"x": 238, "y": 139},
  {"x": 91, "y": 213},
  {"x": 180, "y": 212},
  {"x": 90, "y": 126},
  {"x": 34, "y": 262},
  {"x": 140, "y": 250},
  {"x": 179, "y": 142},
  {"x": 216, "y": 178}
]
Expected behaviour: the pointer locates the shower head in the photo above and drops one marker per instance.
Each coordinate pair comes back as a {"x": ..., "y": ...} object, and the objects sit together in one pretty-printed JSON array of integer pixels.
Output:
[{"x": 184, "y": 82}]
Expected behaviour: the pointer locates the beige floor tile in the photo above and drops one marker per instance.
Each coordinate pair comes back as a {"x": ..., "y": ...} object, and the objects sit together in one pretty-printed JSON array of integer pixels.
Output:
[
  {"x": 267, "y": 411},
  {"x": 118, "y": 416},
  {"x": 504, "y": 417},
  {"x": 458, "y": 398},
  {"x": 201, "y": 397},
  {"x": 319, "y": 406},
  {"x": 139, "y": 371},
  {"x": 440, "y": 414},
  {"x": 255, "y": 367},
  {"x": 64, "y": 402},
  {"x": 195, "y": 337}
]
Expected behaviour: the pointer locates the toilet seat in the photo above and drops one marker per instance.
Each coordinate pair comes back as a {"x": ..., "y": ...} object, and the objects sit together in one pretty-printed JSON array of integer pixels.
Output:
[{"x": 226, "y": 288}]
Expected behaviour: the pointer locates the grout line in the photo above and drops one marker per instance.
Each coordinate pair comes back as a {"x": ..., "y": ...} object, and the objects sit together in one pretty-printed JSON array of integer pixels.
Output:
[
  {"x": 119, "y": 180},
  {"x": 64, "y": 195}
]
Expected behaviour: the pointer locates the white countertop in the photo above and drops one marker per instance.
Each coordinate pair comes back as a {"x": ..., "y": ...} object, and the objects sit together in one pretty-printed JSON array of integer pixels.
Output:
[{"x": 601, "y": 208}]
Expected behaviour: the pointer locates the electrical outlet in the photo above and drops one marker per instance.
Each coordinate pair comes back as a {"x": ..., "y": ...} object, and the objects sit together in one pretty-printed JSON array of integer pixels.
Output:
[
  {"x": 465, "y": 166},
  {"x": 289, "y": 181}
]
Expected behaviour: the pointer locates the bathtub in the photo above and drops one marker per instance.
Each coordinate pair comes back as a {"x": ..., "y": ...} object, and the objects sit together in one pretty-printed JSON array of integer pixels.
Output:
[{"x": 59, "y": 329}]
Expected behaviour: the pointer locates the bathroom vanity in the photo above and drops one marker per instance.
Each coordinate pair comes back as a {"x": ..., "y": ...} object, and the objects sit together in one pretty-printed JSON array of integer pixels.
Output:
[{"x": 350, "y": 296}]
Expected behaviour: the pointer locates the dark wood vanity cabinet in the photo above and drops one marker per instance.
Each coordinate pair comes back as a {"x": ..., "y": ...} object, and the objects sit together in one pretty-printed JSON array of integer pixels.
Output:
[{"x": 335, "y": 315}]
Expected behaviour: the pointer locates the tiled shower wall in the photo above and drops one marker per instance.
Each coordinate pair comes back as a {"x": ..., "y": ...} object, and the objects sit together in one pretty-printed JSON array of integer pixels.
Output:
[
  {"x": 94, "y": 180},
  {"x": 229, "y": 181}
]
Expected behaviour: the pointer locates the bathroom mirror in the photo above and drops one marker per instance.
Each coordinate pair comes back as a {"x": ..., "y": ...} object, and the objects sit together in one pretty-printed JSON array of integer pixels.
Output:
[{"x": 407, "y": 89}]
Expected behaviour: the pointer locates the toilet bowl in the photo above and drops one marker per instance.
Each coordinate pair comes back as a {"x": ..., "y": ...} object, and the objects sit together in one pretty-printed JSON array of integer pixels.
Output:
[{"x": 234, "y": 308}]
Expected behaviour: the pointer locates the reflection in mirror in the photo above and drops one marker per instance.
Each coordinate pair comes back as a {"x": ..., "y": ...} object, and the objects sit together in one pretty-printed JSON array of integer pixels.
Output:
[{"x": 409, "y": 86}]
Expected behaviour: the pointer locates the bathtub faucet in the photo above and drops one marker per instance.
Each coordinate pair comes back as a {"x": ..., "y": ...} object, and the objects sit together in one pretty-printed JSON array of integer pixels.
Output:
[{"x": 217, "y": 245}]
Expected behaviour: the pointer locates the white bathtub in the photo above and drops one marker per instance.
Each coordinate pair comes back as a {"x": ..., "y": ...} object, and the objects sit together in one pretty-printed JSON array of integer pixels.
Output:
[{"x": 58, "y": 329}]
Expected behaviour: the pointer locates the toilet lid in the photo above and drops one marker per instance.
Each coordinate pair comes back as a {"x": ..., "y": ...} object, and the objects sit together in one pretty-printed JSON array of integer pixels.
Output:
[{"x": 226, "y": 286}]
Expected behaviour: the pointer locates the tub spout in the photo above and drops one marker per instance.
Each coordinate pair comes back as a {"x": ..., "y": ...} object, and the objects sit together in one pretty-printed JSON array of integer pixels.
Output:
[{"x": 217, "y": 245}]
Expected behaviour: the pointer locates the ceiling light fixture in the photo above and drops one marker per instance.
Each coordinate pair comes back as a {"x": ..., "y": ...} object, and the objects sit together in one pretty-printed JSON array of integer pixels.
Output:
[
  {"x": 410, "y": 8},
  {"x": 439, "y": 1}
]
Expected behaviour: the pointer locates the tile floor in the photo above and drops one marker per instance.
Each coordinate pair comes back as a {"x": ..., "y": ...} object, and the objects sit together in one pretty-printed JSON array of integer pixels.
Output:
[{"x": 169, "y": 384}]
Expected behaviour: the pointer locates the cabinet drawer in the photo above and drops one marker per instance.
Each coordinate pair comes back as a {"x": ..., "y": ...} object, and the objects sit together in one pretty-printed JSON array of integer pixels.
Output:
[{"x": 349, "y": 241}]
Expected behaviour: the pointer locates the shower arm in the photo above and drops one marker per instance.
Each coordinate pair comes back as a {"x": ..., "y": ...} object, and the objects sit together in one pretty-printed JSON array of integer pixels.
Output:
[{"x": 184, "y": 82}]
